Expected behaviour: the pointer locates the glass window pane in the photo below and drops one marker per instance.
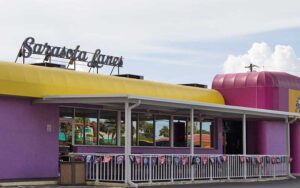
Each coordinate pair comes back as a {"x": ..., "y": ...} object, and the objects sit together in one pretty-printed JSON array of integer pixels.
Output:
[
  {"x": 108, "y": 128},
  {"x": 133, "y": 130},
  {"x": 86, "y": 126},
  {"x": 65, "y": 126},
  {"x": 180, "y": 132},
  {"x": 146, "y": 133},
  {"x": 207, "y": 134},
  {"x": 79, "y": 126},
  {"x": 162, "y": 131},
  {"x": 197, "y": 133},
  {"x": 90, "y": 122}
]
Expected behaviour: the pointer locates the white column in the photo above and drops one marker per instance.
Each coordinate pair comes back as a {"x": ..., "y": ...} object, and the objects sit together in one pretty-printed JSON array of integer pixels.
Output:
[
  {"x": 119, "y": 136},
  {"x": 288, "y": 146},
  {"x": 244, "y": 135},
  {"x": 192, "y": 140},
  {"x": 127, "y": 144},
  {"x": 244, "y": 145},
  {"x": 128, "y": 140},
  {"x": 172, "y": 131},
  {"x": 192, "y": 131}
]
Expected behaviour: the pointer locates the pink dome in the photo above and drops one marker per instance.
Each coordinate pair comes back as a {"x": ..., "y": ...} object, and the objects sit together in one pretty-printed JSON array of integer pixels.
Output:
[{"x": 256, "y": 79}]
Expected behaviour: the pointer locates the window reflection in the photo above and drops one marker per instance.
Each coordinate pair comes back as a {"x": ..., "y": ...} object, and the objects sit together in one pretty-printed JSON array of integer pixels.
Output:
[
  {"x": 94, "y": 127},
  {"x": 207, "y": 134},
  {"x": 85, "y": 126},
  {"x": 162, "y": 131},
  {"x": 108, "y": 128},
  {"x": 146, "y": 133},
  {"x": 65, "y": 126},
  {"x": 197, "y": 134}
]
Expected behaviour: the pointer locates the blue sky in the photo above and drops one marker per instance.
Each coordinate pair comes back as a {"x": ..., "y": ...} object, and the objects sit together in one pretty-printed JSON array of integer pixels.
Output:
[{"x": 164, "y": 40}]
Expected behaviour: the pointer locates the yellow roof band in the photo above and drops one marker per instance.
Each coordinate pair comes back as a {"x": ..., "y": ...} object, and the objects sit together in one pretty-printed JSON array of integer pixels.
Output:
[{"x": 35, "y": 81}]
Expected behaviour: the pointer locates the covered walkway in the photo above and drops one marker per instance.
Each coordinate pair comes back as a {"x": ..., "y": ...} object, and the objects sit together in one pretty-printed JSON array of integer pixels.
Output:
[{"x": 134, "y": 172}]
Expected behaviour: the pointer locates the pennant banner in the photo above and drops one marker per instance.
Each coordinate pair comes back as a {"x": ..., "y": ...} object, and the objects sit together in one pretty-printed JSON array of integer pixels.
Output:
[
  {"x": 154, "y": 160},
  {"x": 107, "y": 159},
  {"x": 132, "y": 158},
  {"x": 212, "y": 160},
  {"x": 185, "y": 160},
  {"x": 146, "y": 161},
  {"x": 259, "y": 160},
  {"x": 242, "y": 159},
  {"x": 273, "y": 160},
  {"x": 196, "y": 160},
  {"x": 162, "y": 160},
  {"x": 205, "y": 160},
  {"x": 220, "y": 160},
  {"x": 88, "y": 158},
  {"x": 177, "y": 160},
  {"x": 138, "y": 160},
  {"x": 98, "y": 160},
  {"x": 120, "y": 159}
]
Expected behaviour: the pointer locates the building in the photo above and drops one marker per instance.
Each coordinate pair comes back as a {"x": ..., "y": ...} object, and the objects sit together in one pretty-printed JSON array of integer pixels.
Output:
[{"x": 47, "y": 113}]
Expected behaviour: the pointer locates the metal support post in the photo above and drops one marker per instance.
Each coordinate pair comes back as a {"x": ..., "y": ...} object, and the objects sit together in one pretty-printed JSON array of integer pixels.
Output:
[
  {"x": 172, "y": 131},
  {"x": 192, "y": 141},
  {"x": 288, "y": 146},
  {"x": 128, "y": 141},
  {"x": 244, "y": 145}
]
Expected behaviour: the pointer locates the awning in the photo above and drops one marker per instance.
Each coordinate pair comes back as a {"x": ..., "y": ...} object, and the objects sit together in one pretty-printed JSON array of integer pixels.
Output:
[{"x": 117, "y": 102}]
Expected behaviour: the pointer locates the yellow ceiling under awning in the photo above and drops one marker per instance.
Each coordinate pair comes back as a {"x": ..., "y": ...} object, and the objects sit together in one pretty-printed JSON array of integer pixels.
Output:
[{"x": 35, "y": 81}]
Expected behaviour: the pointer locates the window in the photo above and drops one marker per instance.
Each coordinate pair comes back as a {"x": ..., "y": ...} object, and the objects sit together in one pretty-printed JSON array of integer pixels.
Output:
[
  {"x": 207, "y": 134},
  {"x": 180, "y": 132},
  {"x": 146, "y": 133},
  {"x": 134, "y": 118},
  {"x": 107, "y": 132},
  {"x": 197, "y": 134},
  {"x": 65, "y": 126},
  {"x": 162, "y": 131},
  {"x": 86, "y": 126},
  {"x": 90, "y": 123}
]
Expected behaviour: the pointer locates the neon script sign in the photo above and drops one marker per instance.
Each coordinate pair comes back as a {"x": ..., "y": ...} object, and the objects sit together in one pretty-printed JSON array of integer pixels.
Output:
[{"x": 94, "y": 60}]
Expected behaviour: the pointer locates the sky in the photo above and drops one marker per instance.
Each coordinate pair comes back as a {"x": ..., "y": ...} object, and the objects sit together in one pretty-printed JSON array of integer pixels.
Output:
[{"x": 170, "y": 41}]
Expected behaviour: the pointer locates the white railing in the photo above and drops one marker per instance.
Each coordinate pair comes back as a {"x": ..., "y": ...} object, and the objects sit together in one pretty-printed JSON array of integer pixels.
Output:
[{"x": 153, "y": 167}]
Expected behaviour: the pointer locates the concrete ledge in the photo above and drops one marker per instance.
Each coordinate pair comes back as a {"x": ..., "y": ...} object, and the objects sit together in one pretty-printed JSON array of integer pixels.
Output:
[
  {"x": 28, "y": 183},
  {"x": 214, "y": 181},
  {"x": 241, "y": 180},
  {"x": 106, "y": 184}
]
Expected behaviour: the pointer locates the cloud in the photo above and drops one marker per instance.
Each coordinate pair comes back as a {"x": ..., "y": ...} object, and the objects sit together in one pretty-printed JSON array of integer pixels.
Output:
[{"x": 280, "y": 58}]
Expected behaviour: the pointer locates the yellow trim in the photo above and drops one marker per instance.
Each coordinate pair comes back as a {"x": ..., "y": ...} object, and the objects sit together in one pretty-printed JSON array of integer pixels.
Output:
[
  {"x": 34, "y": 81},
  {"x": 294, "y": 95}
]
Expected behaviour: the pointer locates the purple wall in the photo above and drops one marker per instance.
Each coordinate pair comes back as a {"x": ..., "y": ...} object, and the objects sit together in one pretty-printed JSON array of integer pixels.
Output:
[
  {"x": 266, "y": 137},
  {"x": 295, "y": 147},
  {"x": 28, "y": 150}
]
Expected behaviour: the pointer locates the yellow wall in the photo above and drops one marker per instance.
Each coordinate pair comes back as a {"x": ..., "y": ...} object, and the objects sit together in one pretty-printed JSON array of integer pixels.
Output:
[
  {"x": 294, "y": 96},
  {"x": 36, "y": 81}
]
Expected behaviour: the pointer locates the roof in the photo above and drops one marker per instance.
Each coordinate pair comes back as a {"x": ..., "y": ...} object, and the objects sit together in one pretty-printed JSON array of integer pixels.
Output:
[
  {"x": 256, "y": 79},
  {"x": 38, "y": 82}
]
